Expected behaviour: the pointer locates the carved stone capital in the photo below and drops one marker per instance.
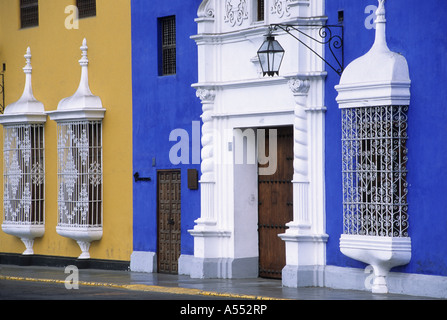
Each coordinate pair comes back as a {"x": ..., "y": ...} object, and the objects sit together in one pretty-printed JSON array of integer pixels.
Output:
[
  {"x": 299, "y": 86},
  {"x": 206, "y": 94}
]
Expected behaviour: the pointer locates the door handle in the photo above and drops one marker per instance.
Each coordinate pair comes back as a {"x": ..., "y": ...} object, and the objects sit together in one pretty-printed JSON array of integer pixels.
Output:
[{"x": 171, "y": 222}]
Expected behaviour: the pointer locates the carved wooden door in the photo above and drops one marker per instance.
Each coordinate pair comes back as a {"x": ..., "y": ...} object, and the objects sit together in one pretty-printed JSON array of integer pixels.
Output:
[
  {"x": 275, "y": 208},
  {"x": 169, "y": 222}
]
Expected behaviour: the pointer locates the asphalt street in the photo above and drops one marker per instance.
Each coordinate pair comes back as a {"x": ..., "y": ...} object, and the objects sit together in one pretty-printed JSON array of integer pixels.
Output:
[{"x": 33, "y": 290}]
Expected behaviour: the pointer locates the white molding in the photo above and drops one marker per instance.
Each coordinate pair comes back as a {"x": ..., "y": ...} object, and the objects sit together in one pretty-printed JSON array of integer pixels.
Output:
[
  {"x": 367, "y": 94},
  {"x": 77, "y": 114},
  {"x": 23, "y": 118},
  {"x": 253, "y": 114}
]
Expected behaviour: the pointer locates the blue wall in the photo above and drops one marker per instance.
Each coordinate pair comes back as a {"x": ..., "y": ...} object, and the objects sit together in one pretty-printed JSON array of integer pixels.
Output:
[
  {"x": 162, "y": 104},
  {"x": 414, "y": 29}
]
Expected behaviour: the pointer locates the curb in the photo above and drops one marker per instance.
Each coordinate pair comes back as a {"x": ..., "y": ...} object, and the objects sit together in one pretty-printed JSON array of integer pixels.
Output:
[{"x": 147, "y": 288}]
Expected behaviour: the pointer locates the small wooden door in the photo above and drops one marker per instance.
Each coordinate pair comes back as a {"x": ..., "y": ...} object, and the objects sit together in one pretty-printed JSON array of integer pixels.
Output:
[
  {"x": 169, "y": 230},
  {"x": 275, "y": 208}
]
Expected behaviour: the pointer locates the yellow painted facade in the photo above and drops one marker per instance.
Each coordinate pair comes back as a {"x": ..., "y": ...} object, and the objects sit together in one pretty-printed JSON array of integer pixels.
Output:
[{"x": 56, "y": 73}]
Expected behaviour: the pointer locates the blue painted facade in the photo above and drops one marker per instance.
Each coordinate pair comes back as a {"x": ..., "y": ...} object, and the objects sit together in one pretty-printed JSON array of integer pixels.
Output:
[
  {"x": 412, "y": 30},
  {"x": 162, "y": 104}
]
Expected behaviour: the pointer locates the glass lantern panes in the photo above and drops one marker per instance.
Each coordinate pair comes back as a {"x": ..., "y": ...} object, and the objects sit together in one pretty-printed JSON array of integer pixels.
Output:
[
  {"x": 270, "y": 56},
  {"x": 23, "y": 175},
  {"x": 80, "y": 173},
  {"x": 374, "y": 147}
]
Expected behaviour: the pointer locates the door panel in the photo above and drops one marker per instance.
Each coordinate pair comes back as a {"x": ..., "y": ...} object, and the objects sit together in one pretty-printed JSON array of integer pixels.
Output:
[
  {"x": 169, "y": 220},
  {"x": 275, "y": 208}
]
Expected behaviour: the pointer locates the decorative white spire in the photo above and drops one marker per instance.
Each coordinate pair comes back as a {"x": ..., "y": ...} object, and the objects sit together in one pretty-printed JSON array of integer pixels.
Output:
[
  {"x": 83, "y": 97},
  {"x": 380, "y": 41},
  {"x": 27, "y": 104},
  {"x": 84, "y": 60},
  {"x": 84, "y": 88},
  {"x": 380, "y": 13},
  {"x": 28, "y": 68}
]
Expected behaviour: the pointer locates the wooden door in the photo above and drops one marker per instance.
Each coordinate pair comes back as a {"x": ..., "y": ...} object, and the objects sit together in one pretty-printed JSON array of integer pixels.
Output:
[
  {"x": 169, "y": 186},
  {"x": 275, "y": 208}
]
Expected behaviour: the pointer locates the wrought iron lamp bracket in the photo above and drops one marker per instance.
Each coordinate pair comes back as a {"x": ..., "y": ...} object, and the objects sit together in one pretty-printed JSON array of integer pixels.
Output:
[{"x": 334, "y": 41}]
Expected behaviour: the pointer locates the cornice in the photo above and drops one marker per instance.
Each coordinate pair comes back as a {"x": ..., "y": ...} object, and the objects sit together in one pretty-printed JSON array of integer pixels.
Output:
[{"x": 260, "y": 82}]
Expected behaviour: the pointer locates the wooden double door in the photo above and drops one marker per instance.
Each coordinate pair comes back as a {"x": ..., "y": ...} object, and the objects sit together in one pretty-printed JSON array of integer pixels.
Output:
[
  {"x": 169, "y": 220},
  {"x": 275, "y": 208}
]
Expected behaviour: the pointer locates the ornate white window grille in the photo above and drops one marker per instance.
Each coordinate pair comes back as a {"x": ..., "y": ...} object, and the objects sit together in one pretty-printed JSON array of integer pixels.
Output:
[
  {"x": 24, "y": 176},
  {"x": 80, "y": 174},
  {"x": 23, "y": 165},
  {"x": 374, "y": 171}
]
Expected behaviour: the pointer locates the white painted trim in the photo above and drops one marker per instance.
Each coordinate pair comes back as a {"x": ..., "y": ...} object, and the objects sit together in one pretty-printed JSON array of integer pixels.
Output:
[
  {"x": 368, "y": 94},
  {"x": 77, "y": 114},
  {"x": 23, "y": 118}
]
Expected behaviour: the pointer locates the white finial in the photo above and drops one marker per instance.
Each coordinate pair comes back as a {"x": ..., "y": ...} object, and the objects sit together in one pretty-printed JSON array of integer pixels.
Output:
[
  {"x": 84, "y": 60},
  {"x": 380, "y": 41},
  {"x": 83, "y": 97},
  {"x": 380, "y": 13},
  {"x": 27, "y": 104},
  {"x": 28, "y": 68}
]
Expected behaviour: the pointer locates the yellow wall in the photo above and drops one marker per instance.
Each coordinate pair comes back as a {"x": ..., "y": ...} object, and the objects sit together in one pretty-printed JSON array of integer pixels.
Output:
[{"x": 56, "y": 74}]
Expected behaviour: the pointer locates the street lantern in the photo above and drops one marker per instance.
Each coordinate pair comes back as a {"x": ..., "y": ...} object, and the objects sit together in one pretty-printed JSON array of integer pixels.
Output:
[{"x": 270, "y": 56}]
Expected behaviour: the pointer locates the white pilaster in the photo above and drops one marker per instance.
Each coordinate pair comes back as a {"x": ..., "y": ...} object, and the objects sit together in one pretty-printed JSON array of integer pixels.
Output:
[
  {"x": 305, "y": 238},
  {"x": 207, "y": 219},
  {"x": 206, "y": 234}
]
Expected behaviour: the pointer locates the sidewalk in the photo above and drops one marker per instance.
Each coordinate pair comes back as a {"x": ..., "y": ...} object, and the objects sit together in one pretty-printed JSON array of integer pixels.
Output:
[{"x": 234, "y": 288}]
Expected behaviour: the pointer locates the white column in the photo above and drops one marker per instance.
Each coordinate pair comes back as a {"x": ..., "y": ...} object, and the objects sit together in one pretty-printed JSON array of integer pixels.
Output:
[
  {"x": 207, "y": 180},
  {"x": 301, "y": 223},
  {"x": 305, "y": 241},
  {"x": 207, "y": 236}
]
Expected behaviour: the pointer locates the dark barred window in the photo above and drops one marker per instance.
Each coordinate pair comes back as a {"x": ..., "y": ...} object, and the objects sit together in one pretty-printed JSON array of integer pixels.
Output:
[
  {"x": 29, "y": 13},
  {"x": 168, "y": 46},
  {"x": 260, "y": 14},
  {"x": 87, "y": 8}
]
